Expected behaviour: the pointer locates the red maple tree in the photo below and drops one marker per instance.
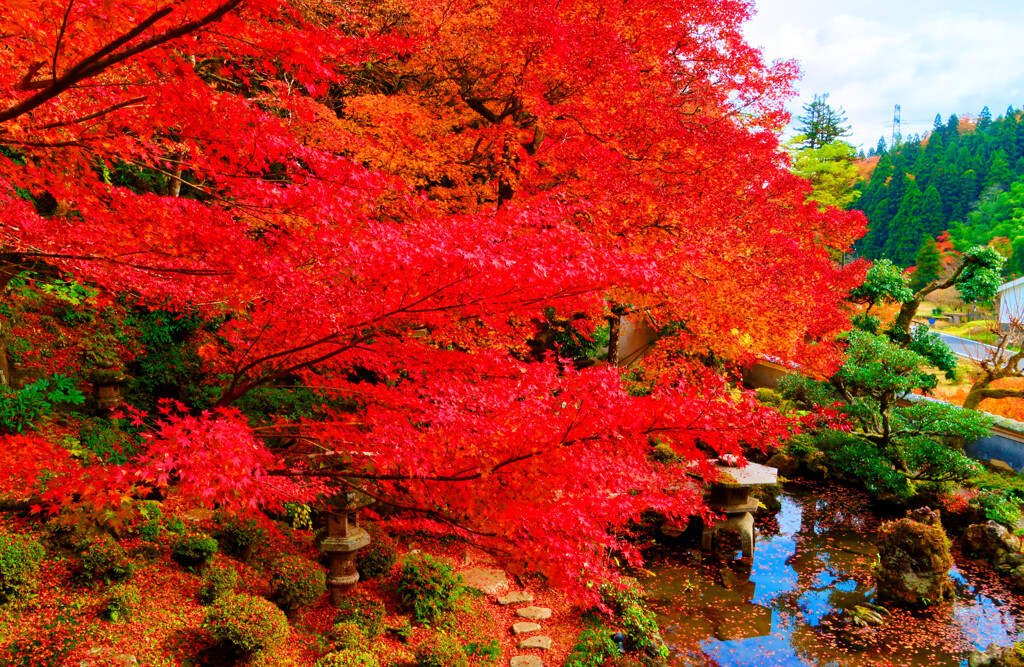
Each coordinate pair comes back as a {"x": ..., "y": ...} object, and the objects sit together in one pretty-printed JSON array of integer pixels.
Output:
[{"x": 381, "y": 199}]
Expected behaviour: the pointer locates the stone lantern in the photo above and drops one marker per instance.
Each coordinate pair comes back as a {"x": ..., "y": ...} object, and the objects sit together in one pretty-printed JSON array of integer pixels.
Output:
[
  {"x": 730, "y": 496},
  {"x": 344, "y": 538},
  {"x": 106, "y": 382}
]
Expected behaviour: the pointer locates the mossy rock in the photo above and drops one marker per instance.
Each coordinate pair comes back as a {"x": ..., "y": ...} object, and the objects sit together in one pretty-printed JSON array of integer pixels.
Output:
[{"x": 914, "y": 562}]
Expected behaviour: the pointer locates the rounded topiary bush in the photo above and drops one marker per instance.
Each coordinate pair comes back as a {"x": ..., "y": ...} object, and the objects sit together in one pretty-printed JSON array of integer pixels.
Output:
[
  {"x": 103, "y": 559},
  {"x": 122, "y": 603},
  {"x": 378, "y": 557},
  {"x": 297, "y": 581},
  {"x": 348, "y": 658},
  {"x": 366, "y": 614},
  {"x": 194, "y": 550},
  {"x": 239, "y": 536},
  {"x": 19, "y": 562},
  {"x": 347, "y": 635},
  {"x": 428, "y": 587},
  {"x": 246, "y": 624},
  {"x": 217, "y": 582},
  {"x": 441, "y": 650}
]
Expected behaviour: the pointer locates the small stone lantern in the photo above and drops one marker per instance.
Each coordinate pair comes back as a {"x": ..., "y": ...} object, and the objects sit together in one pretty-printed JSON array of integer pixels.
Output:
[
  {"x": 106, "y": 382},
  {"x": 344, "y": 539},
  {"x": 731, "y": 497}
]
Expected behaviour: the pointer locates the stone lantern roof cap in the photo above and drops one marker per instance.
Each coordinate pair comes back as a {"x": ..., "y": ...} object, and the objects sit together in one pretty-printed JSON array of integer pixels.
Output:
[{"x": 752, "y": 474}]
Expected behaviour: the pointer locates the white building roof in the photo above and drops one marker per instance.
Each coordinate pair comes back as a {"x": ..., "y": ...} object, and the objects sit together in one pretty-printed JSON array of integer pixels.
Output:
[{"x": 1011, "y": 284}]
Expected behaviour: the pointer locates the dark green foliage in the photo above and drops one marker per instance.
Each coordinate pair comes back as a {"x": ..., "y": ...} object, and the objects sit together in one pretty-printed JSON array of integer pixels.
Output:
[
  {"x": 103, "y": 559},
  {"x": 953, "y": 196},
  {"x": 217, "y": 583},
  {"x": 297, "y": 581},
  {"x": 1000, "y": 496},
  {"x": 863, "y": 461},
  {"x": 884, "y": 283},
  {"x": 121, "y": 604},
  {"x": 170, "y": 366},
  {"x": 239, "y": 535},
  {"x": 19, "y": 562},
  {"x": 807, "y": 393},
  {"x": 194, "y": 550},
  {"x": 348, "y": 658},
  {"x": 929, "y": 345},
  {"x": 109, "y": 444},
  {"x": 377, "y": 558},
  {"x": 366, "y": 614},
  {"x": 427, "y": 587},
  {"x": 441, "y": 650},
  {"x": 571, "y": 337},
  {"x": 246, "y": 624},
  {"x": 928, "y": 264},
  {"x": 592, "y": 649},
  {"x": 152, "y": 523},
  {"x": 486, "y": 652},
  {"x": 22, "y": 408},
  {"x": 638, "y": 622},
  {"x": 820, "y": 124}
]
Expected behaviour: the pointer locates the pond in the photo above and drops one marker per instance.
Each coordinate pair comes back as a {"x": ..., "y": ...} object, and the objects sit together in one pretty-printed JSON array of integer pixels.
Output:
[{"x": 813, "y": 558}]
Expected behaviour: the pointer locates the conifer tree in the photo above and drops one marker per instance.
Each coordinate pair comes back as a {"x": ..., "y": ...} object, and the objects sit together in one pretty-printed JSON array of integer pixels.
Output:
[
  {"x": 928, "y": 264},
  {"x": 821, "y": 124}
]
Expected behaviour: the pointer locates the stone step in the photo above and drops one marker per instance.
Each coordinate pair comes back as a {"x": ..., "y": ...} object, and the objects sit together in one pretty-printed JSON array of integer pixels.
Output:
[
  {"x": 526, "y": 661},
  {"x": 534, "y": 613},
  {"x": 518, "y": 597},
  {"x": 489, "y": 580},
  {"x": 522, "y": 627},
  {"x": 539, "y": 641}
]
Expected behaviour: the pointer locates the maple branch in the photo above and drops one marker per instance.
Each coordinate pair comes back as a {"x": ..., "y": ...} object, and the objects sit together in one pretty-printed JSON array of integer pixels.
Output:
[
  {"x": 102, "y": 112},
  {"x": 105, "y": 57},
  {"x": 60, "y": 38}
]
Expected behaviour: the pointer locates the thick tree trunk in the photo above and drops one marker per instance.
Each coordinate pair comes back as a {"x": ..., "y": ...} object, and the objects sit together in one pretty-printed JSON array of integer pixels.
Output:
[
  {"x": 614, "y": 324},
  {"x": 979, "y": 394},
  {"x": 906, "y": 317}
]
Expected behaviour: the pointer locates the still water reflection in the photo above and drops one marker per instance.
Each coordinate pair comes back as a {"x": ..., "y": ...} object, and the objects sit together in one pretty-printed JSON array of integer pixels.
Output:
[{"x": 813, "y": 559}]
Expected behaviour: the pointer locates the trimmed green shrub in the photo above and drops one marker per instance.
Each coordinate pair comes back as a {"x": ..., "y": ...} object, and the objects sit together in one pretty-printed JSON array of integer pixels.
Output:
[
  {"x": 246, "y": 624},
  {"x": 297, "y": 581},
  {"x": 663, "y": 453},
  {"x": 347, "y": 635},
  {"x": 103, "y": 559},
  {"x": 366, "y": 614},
  {"x": 217, "y": 582},
  {"x": 427, "y": 587},
  {"x": 348, "y": 658},
  {"x": 592, "y": 648},
  {"x": 19, "y": 562},
  {"x": 122, "y": 604},
  {"x": 194, "y": 550},
  {"x": 238, "y": 536},
  {"x": 378, "y": 557},
  {"x": 441, "y": 650},
  {"x": 485, "y": 651}
]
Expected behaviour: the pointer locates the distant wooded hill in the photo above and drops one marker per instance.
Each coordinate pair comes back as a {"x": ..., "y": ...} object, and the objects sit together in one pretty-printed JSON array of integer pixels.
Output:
[{"x": 966, "y": 176}]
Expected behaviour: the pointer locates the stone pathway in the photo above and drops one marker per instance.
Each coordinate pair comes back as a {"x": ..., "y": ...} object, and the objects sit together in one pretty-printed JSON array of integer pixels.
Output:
[{"x": 533, "y": 614}]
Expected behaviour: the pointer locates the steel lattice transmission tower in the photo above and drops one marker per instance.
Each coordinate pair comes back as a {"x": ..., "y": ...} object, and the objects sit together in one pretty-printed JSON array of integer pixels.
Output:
[{"x": 897, "y": 136}]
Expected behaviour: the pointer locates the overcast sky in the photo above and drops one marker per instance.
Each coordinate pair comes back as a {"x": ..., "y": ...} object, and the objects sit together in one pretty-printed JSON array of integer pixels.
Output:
[{"x": 930, "y": 57}]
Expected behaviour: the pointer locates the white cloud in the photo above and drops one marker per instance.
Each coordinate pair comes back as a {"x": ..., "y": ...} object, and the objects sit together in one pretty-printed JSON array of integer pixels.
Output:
[{"x": 928, "y": 58}]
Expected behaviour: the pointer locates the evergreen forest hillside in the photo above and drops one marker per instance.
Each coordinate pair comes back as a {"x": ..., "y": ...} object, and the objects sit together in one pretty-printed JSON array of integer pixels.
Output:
[{"x": 966, "y": 176}]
